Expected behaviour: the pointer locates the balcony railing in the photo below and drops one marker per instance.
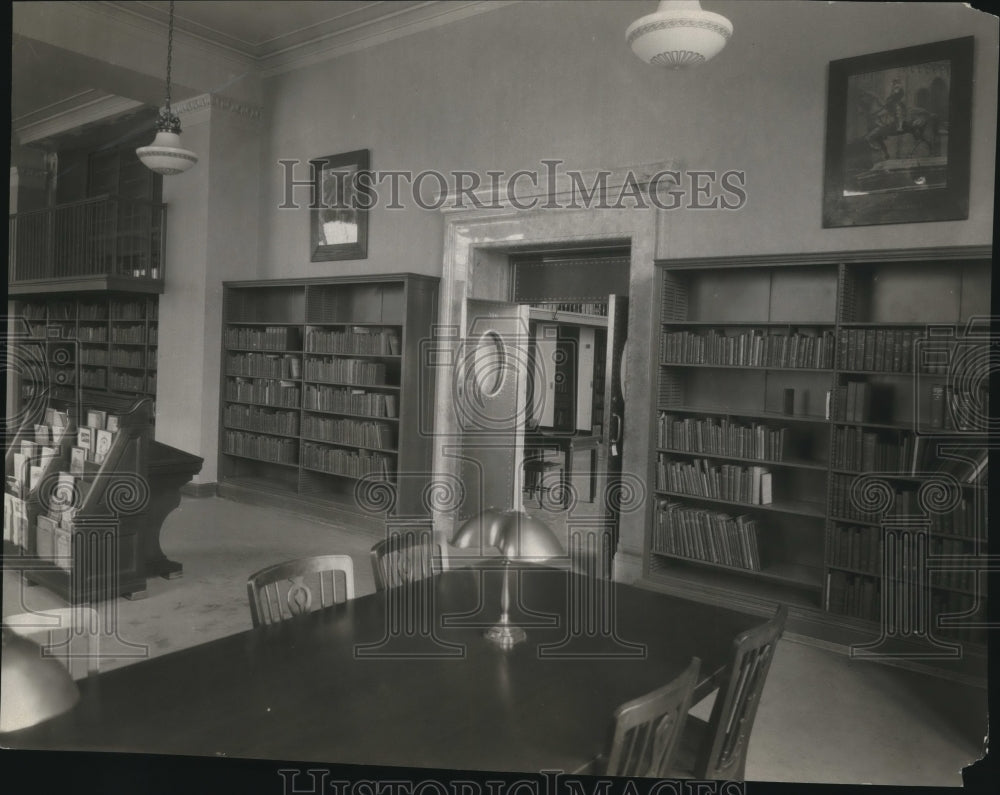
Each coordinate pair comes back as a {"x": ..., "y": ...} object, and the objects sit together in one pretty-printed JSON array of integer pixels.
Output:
[{"x": 105, "y": 236}]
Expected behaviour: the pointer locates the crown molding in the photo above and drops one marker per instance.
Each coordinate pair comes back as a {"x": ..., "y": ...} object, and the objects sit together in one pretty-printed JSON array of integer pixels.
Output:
[
  {"x": 71, "y": 113},
  {"x": 203, "y": 102},
  {"x": 393, "y": 26}
]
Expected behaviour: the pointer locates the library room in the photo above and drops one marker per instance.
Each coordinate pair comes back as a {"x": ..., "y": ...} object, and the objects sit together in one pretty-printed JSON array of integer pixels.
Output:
[{"x": 454, "y": 392}]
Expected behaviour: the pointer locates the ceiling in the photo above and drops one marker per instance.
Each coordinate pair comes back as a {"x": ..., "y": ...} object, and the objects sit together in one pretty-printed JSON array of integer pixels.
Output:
[
  {"x": 49, "y": 81},
  {"x": 259, "y": 29}
]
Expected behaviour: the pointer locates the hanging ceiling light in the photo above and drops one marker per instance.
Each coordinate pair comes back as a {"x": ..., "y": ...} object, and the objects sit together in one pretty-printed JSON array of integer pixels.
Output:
[
  {"x": 679, "y": 34},
  {"x": 165, "y": 155}
]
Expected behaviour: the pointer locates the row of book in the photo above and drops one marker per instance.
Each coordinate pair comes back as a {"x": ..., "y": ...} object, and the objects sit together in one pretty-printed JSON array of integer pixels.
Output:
[
  {"x": 272, "y": 392},
  {"x": 360, "y": 339},
  {"x": 709, "y": 536},
  {"x": 355, "y": 464},
  {"x": 594, "y": 308},
  {"x": 855, "y": 595},
  {"x": 346, "y": 371},
  {"x": 966, "y": 520},
  {"x": 133, "y": 335},
  {"x": 953, "y": 408},
  {"x": 254, "y": 418},
  {"x": 752, "y": 348},
  {"x": 97, "y": 357},
  {"x": 94, "y": 379},
  {"x": 858, "y": 548},
  {"x": 265, "y": 365},
  {"x": 860, "y": 596},
  {"x": 269, "y": 338},
  {"x": 351, "y": 401},
  {"x": 852, "y": 402},
  {"x": 353, "y": 432},
  {"x": 132, "y": 310},
  {"x": 720, "y": 436},
  {"x": 751, "y": 485},
  {"x": 267, "y": 448},
  {"x": 121, "y": 357},
  {"x": 93, "y": 334},
  {"x": 130, "y": 382},
  {"x": 882, "y": 350},
  {"x": 871, "y": 451}
]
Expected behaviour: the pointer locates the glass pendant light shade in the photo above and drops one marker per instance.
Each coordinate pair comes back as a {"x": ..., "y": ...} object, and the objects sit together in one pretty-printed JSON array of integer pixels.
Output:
[
  {"x": 679, "y": 34},
  {"x": 165, "y": 155}
]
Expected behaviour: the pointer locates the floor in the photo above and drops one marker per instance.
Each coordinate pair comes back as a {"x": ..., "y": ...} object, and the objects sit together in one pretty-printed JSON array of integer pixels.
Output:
[{"x": 822, "y": 718}]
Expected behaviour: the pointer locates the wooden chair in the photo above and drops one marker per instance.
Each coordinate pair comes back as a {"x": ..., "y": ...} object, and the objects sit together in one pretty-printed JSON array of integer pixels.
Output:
[
  {"x": 407, "y": 556},
  {"x": 718, "y": 749},
  {"x": 43, "y": 626},
  {"x": 648, "y": 728},
  {"x": 281, "y": 591}
]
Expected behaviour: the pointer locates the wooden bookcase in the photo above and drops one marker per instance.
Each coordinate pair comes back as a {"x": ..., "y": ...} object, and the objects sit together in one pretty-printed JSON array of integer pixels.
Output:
[
  {"x": 105, "y": 343},
  {"x": 321, "y": 395},
  {"x": 795, "y": 394}
]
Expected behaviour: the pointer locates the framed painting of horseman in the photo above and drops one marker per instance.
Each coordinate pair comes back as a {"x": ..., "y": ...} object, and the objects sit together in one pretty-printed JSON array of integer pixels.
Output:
[{"x": 898, "y": 136}]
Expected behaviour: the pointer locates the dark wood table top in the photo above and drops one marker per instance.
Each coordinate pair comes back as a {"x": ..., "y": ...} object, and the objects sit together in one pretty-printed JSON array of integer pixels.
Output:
[{"x": 305, "y": 691}]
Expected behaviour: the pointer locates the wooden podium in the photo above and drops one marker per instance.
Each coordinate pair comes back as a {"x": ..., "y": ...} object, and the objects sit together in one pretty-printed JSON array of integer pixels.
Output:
[{"x": 111, "y": 544}]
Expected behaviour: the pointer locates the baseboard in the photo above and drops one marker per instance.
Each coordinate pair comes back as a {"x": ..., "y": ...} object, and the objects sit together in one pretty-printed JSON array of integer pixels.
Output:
[{"x": 200, "y": 489}]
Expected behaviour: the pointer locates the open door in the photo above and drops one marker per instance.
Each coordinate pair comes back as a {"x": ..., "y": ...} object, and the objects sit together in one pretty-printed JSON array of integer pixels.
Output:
[
  {"x": 614, "y": 414},
  {"x": 490, "y": 397}
]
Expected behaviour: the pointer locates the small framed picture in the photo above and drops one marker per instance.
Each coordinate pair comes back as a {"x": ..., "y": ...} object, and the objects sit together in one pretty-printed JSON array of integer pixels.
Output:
[
  {"x": 898, "y": 136},
  {"x": 341, "y": 199}
]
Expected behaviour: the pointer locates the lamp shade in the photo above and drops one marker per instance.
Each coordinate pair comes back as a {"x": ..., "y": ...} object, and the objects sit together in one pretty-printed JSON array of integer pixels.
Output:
[
  {"x": 517, "y": 535},
  {"x": 678, "y": 34},
  {"x": 165, "y": 155},
  {"x": 482, "y": 530},
  {"x": 32, "y": 688},
  {"x": 523, "y": 537}
]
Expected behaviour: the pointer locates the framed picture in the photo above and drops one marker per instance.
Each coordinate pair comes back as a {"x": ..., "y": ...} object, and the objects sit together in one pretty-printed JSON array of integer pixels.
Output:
[
  {"x": 898, "y": 136},
  {"x": 339, "y": 214}
]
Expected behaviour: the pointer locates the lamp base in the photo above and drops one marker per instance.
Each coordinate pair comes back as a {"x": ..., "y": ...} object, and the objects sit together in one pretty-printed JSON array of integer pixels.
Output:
[{"x": 505, "y": 636}]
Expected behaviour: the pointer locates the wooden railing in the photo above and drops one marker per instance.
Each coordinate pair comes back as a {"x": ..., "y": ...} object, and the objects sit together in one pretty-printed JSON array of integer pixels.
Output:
[{"x": 103, "y": 236}]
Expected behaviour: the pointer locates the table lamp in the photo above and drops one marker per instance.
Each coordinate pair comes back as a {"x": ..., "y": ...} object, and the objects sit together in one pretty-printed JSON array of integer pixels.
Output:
[
  {"x": 32, "y": 688},
  {"x": 518, "y": 536}
]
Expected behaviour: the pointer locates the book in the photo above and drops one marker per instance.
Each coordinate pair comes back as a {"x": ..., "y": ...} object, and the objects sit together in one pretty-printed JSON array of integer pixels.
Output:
[
  {"x": 113, "y": 422},
  {"x": 97, "y": 418},
  {"x": 766, "y": 494},
  {"x": 102, "y": 445},
  {"x": 85, "y": 439},
  {"x": 937, "y": 406},
  {"x": 43, "y": 435},
  {"x": 29, "y": 449},
  {"x": 21, "y": 473},
  {"x": 78, "y": 460}
]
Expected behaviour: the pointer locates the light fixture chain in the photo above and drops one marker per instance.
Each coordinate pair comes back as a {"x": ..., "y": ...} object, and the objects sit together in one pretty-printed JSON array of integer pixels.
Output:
[{"x": 170, "y": 50}]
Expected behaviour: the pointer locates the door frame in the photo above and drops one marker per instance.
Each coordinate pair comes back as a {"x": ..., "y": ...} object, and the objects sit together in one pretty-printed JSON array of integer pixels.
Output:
[{"x": 477, "y": 245}]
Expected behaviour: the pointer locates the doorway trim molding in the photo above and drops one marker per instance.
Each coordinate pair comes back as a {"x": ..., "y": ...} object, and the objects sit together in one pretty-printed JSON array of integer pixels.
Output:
[{"x": 473, "y": 239}]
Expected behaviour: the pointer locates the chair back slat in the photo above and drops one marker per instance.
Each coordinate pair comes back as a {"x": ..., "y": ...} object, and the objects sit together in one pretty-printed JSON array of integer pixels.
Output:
[
  {"x": 735, "y": 708},
  {"x": 405, "y": 556},
  {"x": 296, "y": 587},
  {"x": 647, "y": 729}
]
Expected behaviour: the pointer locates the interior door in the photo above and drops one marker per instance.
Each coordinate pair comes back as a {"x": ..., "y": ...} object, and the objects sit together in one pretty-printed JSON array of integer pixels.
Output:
[
  {"x": 614, "y": 412},
  {"x": 491, "y": 400}
]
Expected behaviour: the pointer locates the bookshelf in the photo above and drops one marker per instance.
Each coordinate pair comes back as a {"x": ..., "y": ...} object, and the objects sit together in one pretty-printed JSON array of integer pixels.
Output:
[
  {"x": 321, "y": 394},
  {"x": 806, "y": 409},
  {"x": 100, "y": 342}
]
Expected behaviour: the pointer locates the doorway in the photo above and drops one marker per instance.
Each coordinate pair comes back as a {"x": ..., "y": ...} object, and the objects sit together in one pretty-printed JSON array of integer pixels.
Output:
[{"x": 543, "y": 405}]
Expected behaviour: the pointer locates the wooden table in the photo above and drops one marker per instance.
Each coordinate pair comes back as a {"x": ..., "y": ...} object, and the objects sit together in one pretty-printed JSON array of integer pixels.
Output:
[
  {"x": 301, "y": 691},
  {"x": 568, "y": 444}
]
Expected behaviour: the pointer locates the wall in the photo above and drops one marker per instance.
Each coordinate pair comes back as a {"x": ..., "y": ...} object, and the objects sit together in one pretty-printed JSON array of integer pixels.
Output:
[{"x": 513, "y": 86}]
